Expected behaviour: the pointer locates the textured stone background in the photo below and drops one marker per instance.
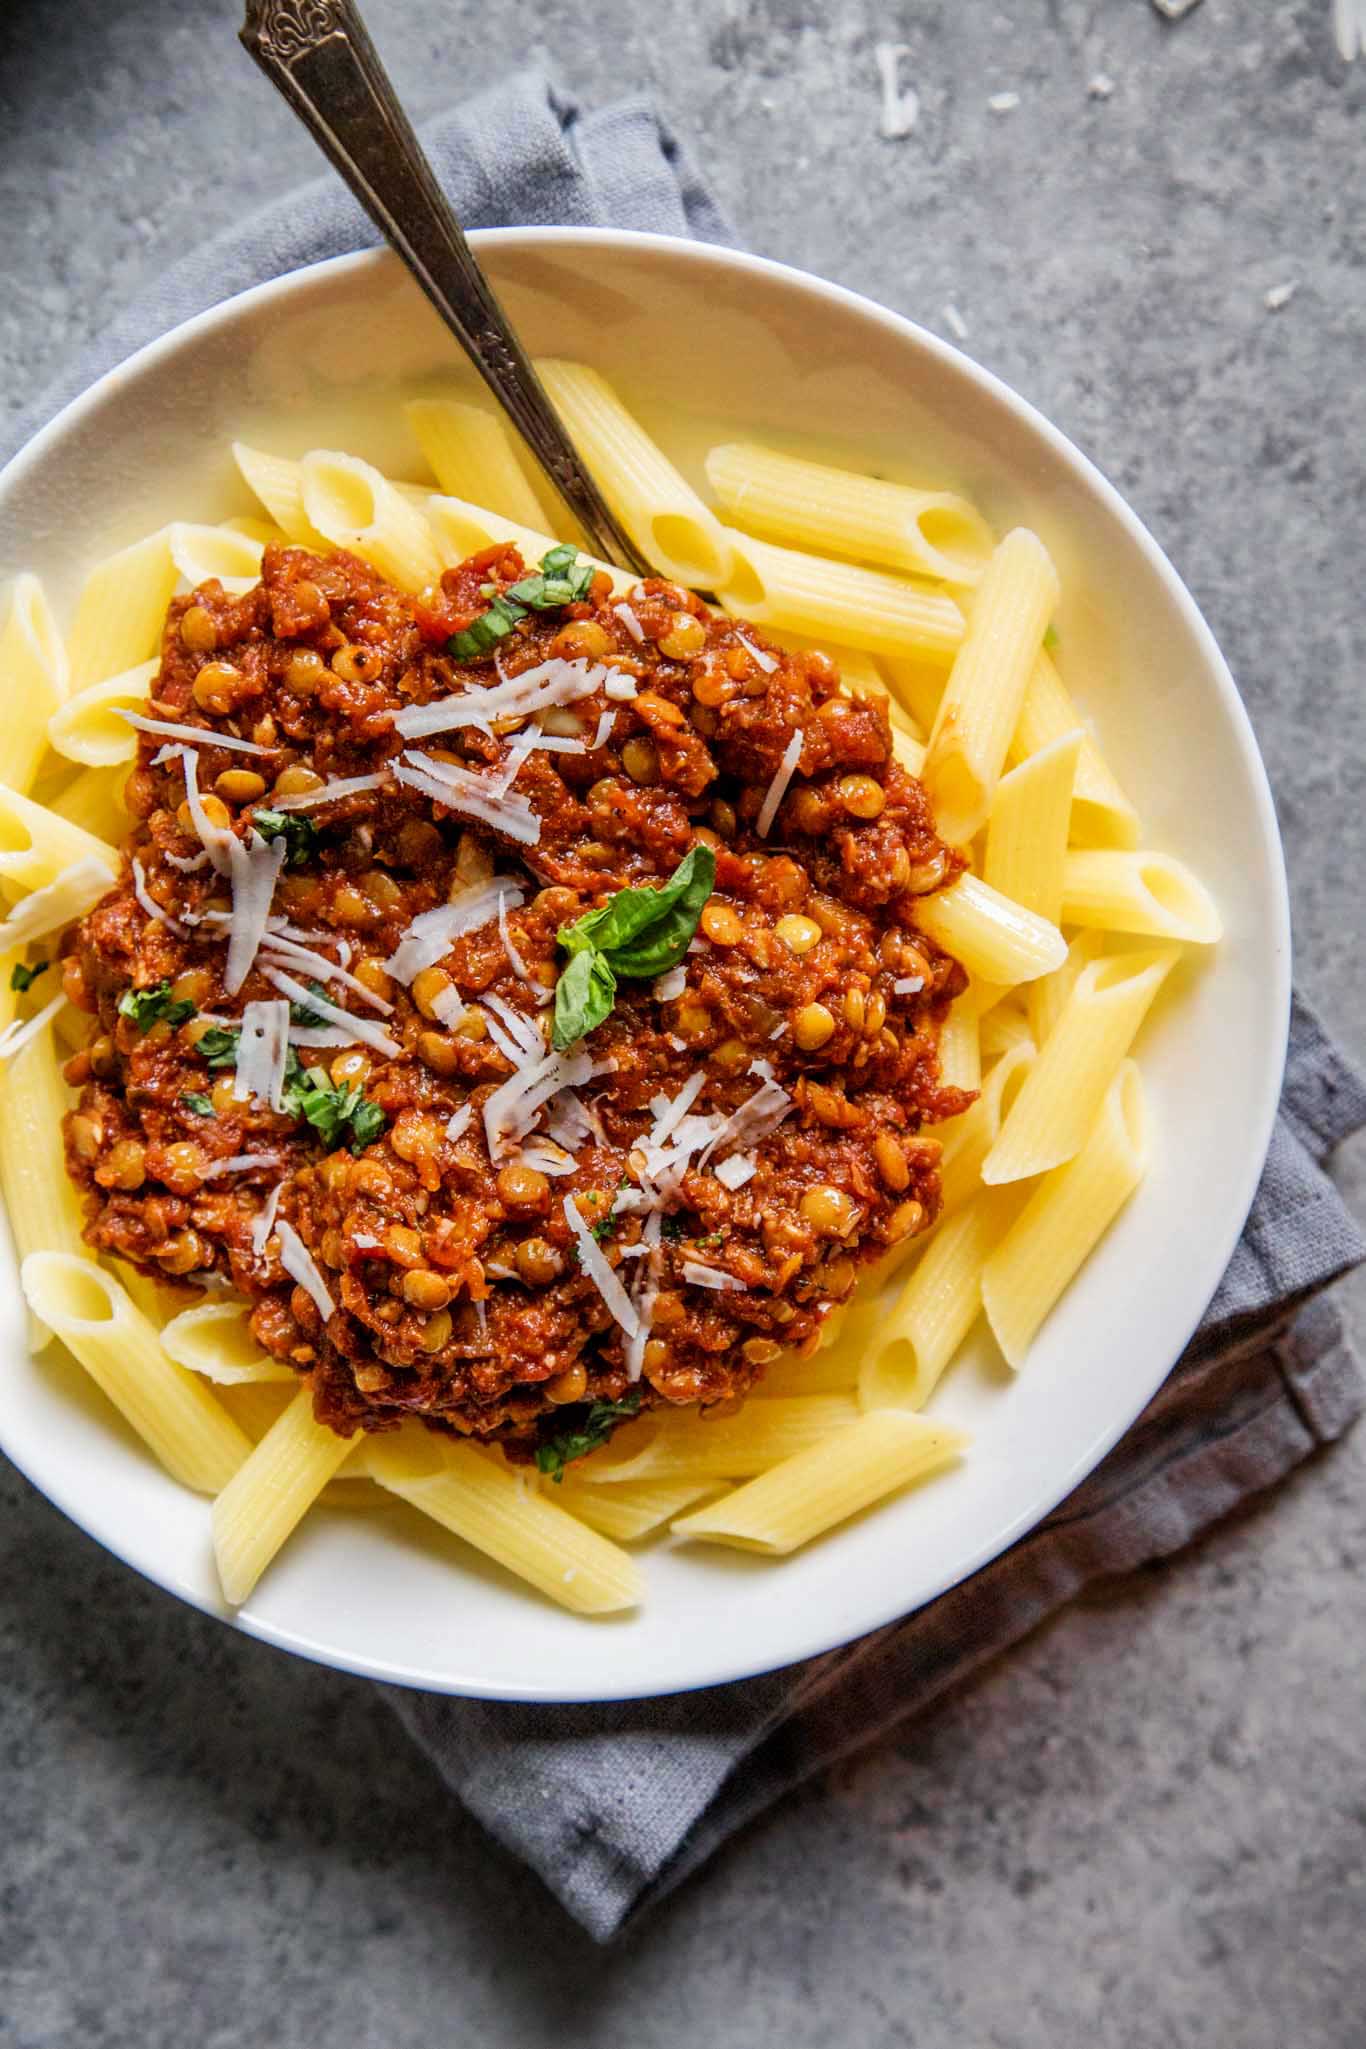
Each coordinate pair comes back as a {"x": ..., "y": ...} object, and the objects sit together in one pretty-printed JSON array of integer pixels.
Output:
[{"x": 1147, "y": 1826}]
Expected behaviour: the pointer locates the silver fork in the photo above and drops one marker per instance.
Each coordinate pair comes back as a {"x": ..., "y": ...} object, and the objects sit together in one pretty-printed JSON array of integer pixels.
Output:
[{"x": 320, "y": 57}]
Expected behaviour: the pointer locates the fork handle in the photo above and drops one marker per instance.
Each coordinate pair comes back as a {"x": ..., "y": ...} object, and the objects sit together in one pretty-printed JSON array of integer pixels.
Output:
[{"x": 318, "y": 54}]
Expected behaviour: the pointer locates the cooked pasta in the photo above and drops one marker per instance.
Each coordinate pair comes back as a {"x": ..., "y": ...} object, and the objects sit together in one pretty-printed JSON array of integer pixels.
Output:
[
  {"x": 659, "y": 509},
  {"x": 1031, "y": 809},
  {"x": 36, "y": 845},
  {"x": 214, "y": 1338},
  {"x": 33, "y": 676},
  {"x": 1153, "y": 895},
  {"x": 627, "y": 1513},
  {"x": 461, "y": 529},
  {"x": 1077, "y": 1062},
  {"x": 1102, "y": 815},
  {"x": 43, "y": 1208},
  {"x": 816, "y": 1490},
  {"x": 811, "y": 505},
  {"x": 200, "y": 552},
  {"x": 1046, "y": 998},
  {"x": 937, "y": 1307},
  {"x": 1066, "y": 1216},
  {"x": 468, "y": 449},
  {"x": 121, "y": 610},
  {"x": 88, "y": 727},
  {"x": 863, "y": 608},
  {"x": 960, "y": 1048},
  {"x": 94, "y": 801},
  {"x": 504, "y": 1514},
  {"x": 278, "y": 483},
  {"x": 730, "y": 1448},
  {"x": 270, "y": 1493},
  {"x": 981, "y": 703},
  {"x": 353, "y": 506},
  {"x": 1002, "y": 1030},
  {"x": 969, "y": 1138},
  {"x": 172, "y": 1411},
  {"x": 999, "y": 940}
]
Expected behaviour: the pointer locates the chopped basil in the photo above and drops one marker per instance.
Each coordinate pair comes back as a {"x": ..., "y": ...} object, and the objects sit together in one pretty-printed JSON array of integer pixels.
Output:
[
  {"x": 599, "y": 1421},
  {"x": 22, "y": 978},
  {"x": 301, "y": 1013},
  {"x": 638, "y": 932},
  {"x": 202, "y": 1106},
  {"x": 300, "y": 834},
  {"x": 218, "y": 1046},
  {"x": 563, "y": 581},
  {"x": 154, "y": 1005},
  {"x": 330, "y": 1107}
]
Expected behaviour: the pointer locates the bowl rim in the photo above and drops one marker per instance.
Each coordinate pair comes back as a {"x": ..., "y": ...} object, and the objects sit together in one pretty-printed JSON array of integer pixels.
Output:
[{"x": 1261, "y": 1112}]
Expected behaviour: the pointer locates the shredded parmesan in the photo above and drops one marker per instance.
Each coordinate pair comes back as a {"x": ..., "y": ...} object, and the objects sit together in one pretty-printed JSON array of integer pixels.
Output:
[
  {"x": 215, "y": 839},
  {"x": 361, "y": 1028},
  {"x": 547, "y": 1158},
  {"x": 767, "y": 662},
  {"x": 537, "y": 689},
  {"x": 667, "y": 987},
  {"x": 194, "y": 736},
  {"x": 623, "y": 688},
  {"x": 708, "y": 1276},
  {"x": 733, "y": 1172},
  {"x": 322, "y": 968},
  {"x": 515, "y": 1104},
  {"x": 523, "y": 1030},
  {"x": 263, "y": 1223},
  {"x": 448, "y": 1007},
  {"x": 19, "y": 1031},
  {"x": 606, "y": 721},
  {"x": 629, "y": 621},
  {"x": 262, "y": 1051},
  {"x": 297, "y": 1261},
  {"x": 669, "y": 1113},
  {"x": 598, "y": 1270},
  {"x": 756, "y": 1117},
  {"x": 330, "y": 793},
  {"x": 908, "y": 985},
  {"x": 150, "y": 904},
  {"x": 519, "y": 966},
  {"x": 777, "y": 789},
  {"x": 475, "y": 796},
  {"x": 188, "y": 864},
  {"x": 432, "y": 934},
  {"x": 241, "y": 1163},
  {"x": 645, "y": 1297},
  {"x": 48, "y": 909},
  {"x": 459, "y": 1122},
  {"x": 254, "y": 868}
]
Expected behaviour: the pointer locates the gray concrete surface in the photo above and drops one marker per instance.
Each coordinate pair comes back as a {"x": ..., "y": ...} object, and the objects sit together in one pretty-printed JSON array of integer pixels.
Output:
[{"x": 1147, "y": 1826}]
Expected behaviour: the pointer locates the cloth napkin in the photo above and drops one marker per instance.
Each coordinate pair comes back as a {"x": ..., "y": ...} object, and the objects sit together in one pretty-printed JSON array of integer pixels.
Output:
[{"x": 613, "y": 1804}]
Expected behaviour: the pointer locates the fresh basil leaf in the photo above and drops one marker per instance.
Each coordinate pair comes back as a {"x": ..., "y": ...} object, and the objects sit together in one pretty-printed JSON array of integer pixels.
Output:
[
  {"x": 601, "y": 1419},
  {"x": 646, "y": 931},
  {"x": 330, "y": 1107},
  {"x": 21, "y": 977},
  {"x": 486, "y": 631},
  {"x": 202, "y": 1106},
  {"x": 367, "y": 1124},
  {"x": 303, "y": 1015},
  {"x": 154, "y": 1005},
  {"x": 218, "y": 1045},
  {"x": 300, "y": 834},
  {"x": 584, "y": 996},
  {"x": 562, "y": 581}
]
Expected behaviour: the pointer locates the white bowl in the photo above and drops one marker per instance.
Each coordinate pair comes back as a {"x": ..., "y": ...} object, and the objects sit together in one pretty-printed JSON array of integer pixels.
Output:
[{"x": 711, "y": 345}]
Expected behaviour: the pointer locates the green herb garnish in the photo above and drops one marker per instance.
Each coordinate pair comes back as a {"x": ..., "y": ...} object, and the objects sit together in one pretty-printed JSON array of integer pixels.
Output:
[
  {"x": 218, "y": 1046},
  {"x": 673, "y": 1226},
  {"x": 22, "y": 978},
  {"x": 303, "y": 1014},
  {"x": 329, "y": 1106},
  {"x": 202, "y": 1106},
  {"x": 300, "y": 834},
  {"x": 563, "y": 581},
  {"x": 597, "y": 1426},
  {"x": 637, "y": 932},
  {"x": 155, "y": 1005}
]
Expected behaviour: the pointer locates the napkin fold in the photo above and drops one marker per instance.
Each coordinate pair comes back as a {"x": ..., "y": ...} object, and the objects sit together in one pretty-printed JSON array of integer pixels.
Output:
[{"x": 614, "y": 1804}]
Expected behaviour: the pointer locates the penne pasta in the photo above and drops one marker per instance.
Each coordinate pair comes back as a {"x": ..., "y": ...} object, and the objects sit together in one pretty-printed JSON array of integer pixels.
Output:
[
  {"x": 471, "y": 450},
  {"x": 828, "y": 1371},
  {"x": 818, "y": 1489},
  {"x": 980, "y": 707},
  {"x": 173, "y": 1413},
  {"x": 353, "y": 506},
  {"x": 43, "y": 1207},
  {"x": 937, "y": 1307},
  {"x": 33, "y": 677},
  {"x": 1153, "y": 895},
  {"x": 1078, "y": 1061},
  {"x": 862, "y": 608},
  {"x": 203, "y": 554},
  {"x": 503, "y": 1513},
  {"x": 215, "y": 1340},
  {"x": 1046, "y": 998},
  {"x": 656, "y": 505},
  {"x": 1102, "y": 815},
  {"x": 88, "y": 728},
  {"x": 94, "y": 801},
  {"x": 812, "y": 505},
  {"x": 157, "y": 1300},
  {"x": 1027, "y": 828},
  {"x": 121, "y": 611},
  {"x": 278, "y": 483},
  {"x": 271, "y": 1492},
  {"x": 1004, "y": 1029},
  {"x": 918, "y": 687},
  {"x": 994, "y": 938},
  {"x": 626, "y": 1514},
  {"x": 462, "y": 529},
  {"x": 960, "y": 1049},
  {"x": 36, "y": 845},
  {"x": 1065, "y": 1217},
  {"x": 726, "y": 1448},
  {"x": 968, "y": 1139}
]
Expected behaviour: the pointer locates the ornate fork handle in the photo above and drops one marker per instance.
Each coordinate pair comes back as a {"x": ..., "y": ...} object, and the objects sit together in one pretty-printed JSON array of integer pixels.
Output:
[{"x": 320, "y": 57}]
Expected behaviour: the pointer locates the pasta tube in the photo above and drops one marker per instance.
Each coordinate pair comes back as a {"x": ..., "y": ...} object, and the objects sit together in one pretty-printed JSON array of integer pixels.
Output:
[
  {"x": 980, "y": 707},
  {"x": 214, "y": 1339},
  {"x": 121, "y": 610},
  {"x": 502, "y": 1513},
  {"x": 937, "y": 1307},
  {"x": 202, "y": 553},
  {"x": 1102, "y": 815},
  {"x": 1154, "y": 895},
  {"x": 836, "y": 511},
  {"x": 817, "y": 1489},
  {"x": 968, "y": 1139},
  {"x": 353, "y": 506},
  {"x": 994, "y": 938},
  {"x": 33, "y": 677},
  {"x": 1066, "y": 1217},
  {"x": 625, "y": 1514},
  {"x": 36, "y": 845},
  {"x": 88, "y": 729},
  {"x": 173, "y": 1413},
  {"x": 960, "y": 1049},
  {"x": 1079, "y": 1059},
  {"x": 271, "y": 1492},
  {"x": 1027, "y": 828},
  {"x": 278, "y": 482},
  {"x": 659, "y": 509},
  {"x": 470, "y": 450},
  {"x": 40, "y": 1199},
  {"x": 863, "y": 608},
  {"x": 1046, "y": 998},
  {"x": 728, "y": 1448}
]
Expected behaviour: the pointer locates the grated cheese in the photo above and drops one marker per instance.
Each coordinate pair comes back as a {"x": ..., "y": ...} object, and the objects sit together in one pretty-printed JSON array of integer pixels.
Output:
[
  {"x": 767, "y": 662},
  {"x": 777, "y": 789},
  {"x": 629, "y": 621},
  {"x": 188, "y": 864},
  {"x": 433, "y": 933},
  {"x": 708, "y": 1276},
  {"x": 263, "y": 1223},
  {"x": 459, "y": 1122},
  {"x": 733, "y": 1172},
  {"x": 523, "y": 1031},
  {"x": 908, "y": 985},
  {"x": 519, "y": 966},
  {"x": 667, "y": 987},
  {"x": 475, "y": 796},
  {"x": 623, "y": 688},
  {"x": 330, "y": 793},
  {"x": 254, "y": 868},
  {"x": 213, "y": 838},
  {"x": 448, "y": 1007},
  {"x": 241, "y": 1163},
  {"x": 598, "y": 1270},
  {"x": 547, "y": 1158},
  {"x": 360, "y": 1028},
  {"x": 150, "y": 904},
  {"x": 536, "y": 689},
  {"x": 262, "y": 1051},
  {"x": 515, "y": 1104},
  {"x": 606, "y": 721},
  {"x": 278, "y": 942},
  {"x": 20, "y": 1031},
  {"x": 194, "y": 736},
  {"x": 756, "y": 1117},
  {"x": 298, "y": 1263}
]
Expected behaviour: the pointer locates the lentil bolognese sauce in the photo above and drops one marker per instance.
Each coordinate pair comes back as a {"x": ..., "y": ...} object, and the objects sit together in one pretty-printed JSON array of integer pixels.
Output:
[{"x": 363, "y": 1051}]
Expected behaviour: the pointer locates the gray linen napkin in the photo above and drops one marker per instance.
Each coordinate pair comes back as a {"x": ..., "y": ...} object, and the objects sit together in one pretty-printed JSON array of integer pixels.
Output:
[{"x": 613, "y": 1804}]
